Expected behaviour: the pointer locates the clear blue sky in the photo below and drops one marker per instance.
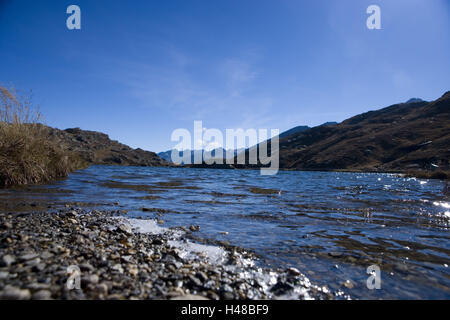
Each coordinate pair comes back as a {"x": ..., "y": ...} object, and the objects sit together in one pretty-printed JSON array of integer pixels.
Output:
[{"x": 140, "y": 69}]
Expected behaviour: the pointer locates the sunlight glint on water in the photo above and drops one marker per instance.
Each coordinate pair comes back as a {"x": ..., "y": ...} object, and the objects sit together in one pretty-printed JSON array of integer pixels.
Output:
[{"x": 331, "y": 226}]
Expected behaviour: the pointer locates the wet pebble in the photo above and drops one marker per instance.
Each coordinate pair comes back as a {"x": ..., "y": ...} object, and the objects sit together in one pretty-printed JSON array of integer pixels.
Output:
[
  {"x": 7, "y": 260},
  {"x": 194, "y": 228},
  {"x": 114, "y": 262},
  {"x": 42, "y": 295},
  {"x": 14, "y": 293}
]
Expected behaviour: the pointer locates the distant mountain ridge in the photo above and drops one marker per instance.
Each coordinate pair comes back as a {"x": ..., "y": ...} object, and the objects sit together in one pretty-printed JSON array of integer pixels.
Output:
[
  {"x": 414, "y": 100},
  {"x": 167, "y": 155},
  {"x": 299, "y": 129},
  {"x": 293, "y": 130}
]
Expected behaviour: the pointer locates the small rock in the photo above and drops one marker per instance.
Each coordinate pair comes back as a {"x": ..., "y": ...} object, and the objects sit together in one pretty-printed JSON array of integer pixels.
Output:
[
  {"x": 202, "y": 276},
  {"x": 39, "y": 267},
  {"x": 6, "y": 225},
  {"x": 226, "y": 288},
  {"x": 228, "y": 296},
  {"x": 101, "y": 289},
  {"x": 72, "y": 213},
  {"x": 190, "y": 297},
  {"x": 195, "y": 281},
  {"x": 7, "y": 260},
  {"x": 127, "y": 259},
  {"x": 42, "y": 295},
  {"x": 34, "y": 262},
  {"x": 29, "y": 256},
  {"x": 194, "y": 228},
  {"x": 335, "y": 254},
  {"x": 13, "y": 293},
  {"x": 213, "y": 295},
  {"x": 117, "y": 267},
  {"x": 125, "y": 229},
  {"x": 349, "y": 284},
  {"x": 281, "y": 288},
  {"x": 294, "y": 271},
  {"x": 89, "y": 279},
  {"x": 38, "y": 286},
  {"x": 46, "y": 255},
  {"x": 133, "y": 270},
  {"x": 86, "y": 267}
]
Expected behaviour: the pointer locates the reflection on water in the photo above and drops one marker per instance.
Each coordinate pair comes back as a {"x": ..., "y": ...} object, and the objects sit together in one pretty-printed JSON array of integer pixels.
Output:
[{"x": 332, "y": 226}]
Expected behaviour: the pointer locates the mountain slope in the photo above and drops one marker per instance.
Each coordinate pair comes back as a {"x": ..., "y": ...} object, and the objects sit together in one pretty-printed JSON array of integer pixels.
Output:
[
  {"x": 297, "y": 129},
  {"x": 404, "y": 136},
  {"x": 97, "y": 148}
]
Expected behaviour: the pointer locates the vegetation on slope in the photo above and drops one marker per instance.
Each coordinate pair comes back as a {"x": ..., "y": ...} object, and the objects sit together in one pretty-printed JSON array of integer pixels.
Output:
[
  {"x": 26, "y": 155},
  {"x": 412, "y": 138}
]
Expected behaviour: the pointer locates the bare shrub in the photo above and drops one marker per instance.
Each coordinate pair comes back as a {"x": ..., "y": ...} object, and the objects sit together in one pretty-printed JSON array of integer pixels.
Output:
[{"x": 26, "y": 154}]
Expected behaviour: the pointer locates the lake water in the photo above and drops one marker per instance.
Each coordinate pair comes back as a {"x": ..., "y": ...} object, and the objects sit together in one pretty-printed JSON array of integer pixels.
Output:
[{"x": 329, "y": 225}]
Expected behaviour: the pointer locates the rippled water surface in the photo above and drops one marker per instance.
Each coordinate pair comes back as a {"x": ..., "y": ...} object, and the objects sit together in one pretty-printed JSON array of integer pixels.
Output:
[{"x": 331, "y": 226}]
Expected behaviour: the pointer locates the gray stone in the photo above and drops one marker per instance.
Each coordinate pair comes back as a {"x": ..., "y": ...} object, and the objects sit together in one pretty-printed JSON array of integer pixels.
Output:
[
  {"x": 90, "y": 279},
  {"x": 101, "y": 289},
  {"x": 125, "y": 229},
  {"x": 38, "y": 286},
  {"x": 42, "y": 295},
  {"x": 202, "y": 276},
  {"x": 226, "y": 288},
  {"x": 72, "y": 213},
  {"x": 46, "y": 255},
  {"x": 127, "y": 259},
  {"x": 86, "y": 267},
  {"x": 13, "y": 293},
  {"x": 294, "y": 271},
  {"x": 195, "y": 281},
  {"x": 194, "y": 228},
  {"x": 190, "y": 297},
  {"x": 7, "y": 225},
  {"x": 39, "y": 267},
  {"x": 335, "y": 254},
  {"x": 7, "y": 260},
  {"x": 117, "y": 267},
  {"x": 228, "y": 296},
  {"x": 28, "y": 256}
]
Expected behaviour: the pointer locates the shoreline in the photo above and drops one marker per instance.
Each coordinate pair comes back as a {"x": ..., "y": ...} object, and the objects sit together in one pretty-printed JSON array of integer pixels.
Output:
[
  {"x": 121, "y": 258},
  {"x": 443, "y": 175}
]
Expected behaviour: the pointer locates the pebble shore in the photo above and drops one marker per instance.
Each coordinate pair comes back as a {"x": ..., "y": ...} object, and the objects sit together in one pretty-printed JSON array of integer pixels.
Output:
[{"x": 44, "y": 254}]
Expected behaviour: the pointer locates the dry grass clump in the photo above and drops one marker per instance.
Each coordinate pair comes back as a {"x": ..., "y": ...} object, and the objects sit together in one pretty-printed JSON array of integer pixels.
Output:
[{"x": 26, "y": 154}]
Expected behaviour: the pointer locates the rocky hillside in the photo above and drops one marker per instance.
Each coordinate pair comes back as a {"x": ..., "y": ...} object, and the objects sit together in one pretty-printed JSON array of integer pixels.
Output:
[
  {"x": 407, "y": 136},
  {"x": 97, "y": 148}
]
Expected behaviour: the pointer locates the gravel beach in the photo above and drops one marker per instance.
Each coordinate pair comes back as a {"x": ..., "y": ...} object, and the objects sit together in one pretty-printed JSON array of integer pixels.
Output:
[{"x": 82, "y": 254}]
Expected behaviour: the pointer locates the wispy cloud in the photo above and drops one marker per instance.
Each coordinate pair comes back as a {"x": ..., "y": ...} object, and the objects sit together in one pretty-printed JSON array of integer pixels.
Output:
[
  {"x": 238, "y": 75},
  {"x": 189, "y": 89}
]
